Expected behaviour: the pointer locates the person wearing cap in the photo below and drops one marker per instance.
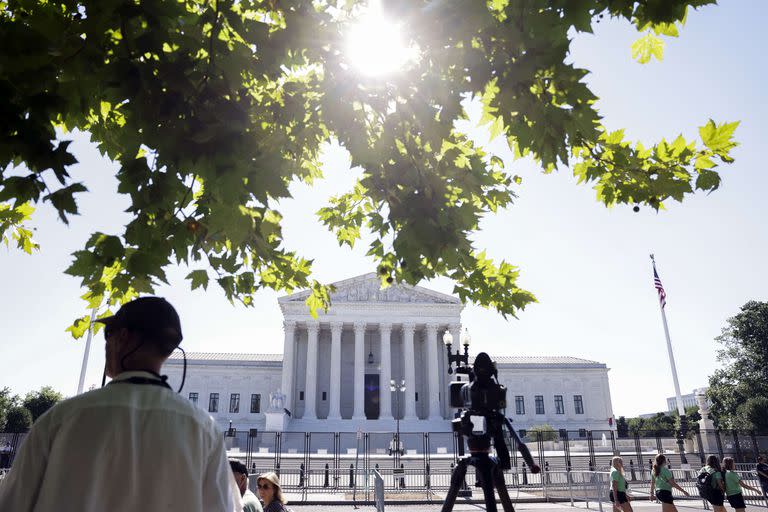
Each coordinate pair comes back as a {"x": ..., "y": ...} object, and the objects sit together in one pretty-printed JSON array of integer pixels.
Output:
[
  {"x": 132, "y": 445},
  {"x": 270, "y": 492},
  {"x": 250, "y": 501}
]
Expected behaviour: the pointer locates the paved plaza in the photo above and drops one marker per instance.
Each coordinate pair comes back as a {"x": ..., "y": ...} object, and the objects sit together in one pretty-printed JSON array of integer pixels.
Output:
[{"x": 638, "y": 505}]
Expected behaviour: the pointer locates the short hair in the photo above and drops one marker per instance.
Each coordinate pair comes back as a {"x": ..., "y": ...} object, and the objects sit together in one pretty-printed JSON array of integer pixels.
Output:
[
  {"x": 238, "y": 467},
  {"x": 728, "y": 463}
]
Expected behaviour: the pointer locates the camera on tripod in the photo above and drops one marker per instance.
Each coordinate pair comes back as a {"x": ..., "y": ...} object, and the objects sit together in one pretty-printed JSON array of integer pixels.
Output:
[{"x": 482, "y": 399}]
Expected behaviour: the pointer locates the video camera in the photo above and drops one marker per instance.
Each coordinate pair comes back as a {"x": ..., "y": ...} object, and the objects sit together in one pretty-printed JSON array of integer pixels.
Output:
[{"x": 482, "y": 421}]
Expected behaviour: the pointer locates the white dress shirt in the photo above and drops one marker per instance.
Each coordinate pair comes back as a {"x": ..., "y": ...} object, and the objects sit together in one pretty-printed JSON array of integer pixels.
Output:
[{"x": 124, "y": 447}]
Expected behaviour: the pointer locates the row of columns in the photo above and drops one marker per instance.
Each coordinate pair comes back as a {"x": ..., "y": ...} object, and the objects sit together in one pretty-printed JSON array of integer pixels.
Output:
[{"x": 385, "y": 403}]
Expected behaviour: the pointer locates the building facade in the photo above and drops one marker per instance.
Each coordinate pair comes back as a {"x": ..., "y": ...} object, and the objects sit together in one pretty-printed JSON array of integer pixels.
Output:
[
  {"x": 689, "y": 400},
  {"x": 335, "y": 370}
]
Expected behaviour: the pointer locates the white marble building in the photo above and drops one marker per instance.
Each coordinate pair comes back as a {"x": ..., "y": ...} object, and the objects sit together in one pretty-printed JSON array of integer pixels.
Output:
[{"x": 367, "y": 338}]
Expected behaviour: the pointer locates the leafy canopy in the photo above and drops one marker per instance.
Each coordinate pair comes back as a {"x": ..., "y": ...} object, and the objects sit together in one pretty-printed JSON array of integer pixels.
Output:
[
  {"x": 38, "y": 402},
  {"x": 738, "y": 389},
  {"x": 212, "y": 108}
]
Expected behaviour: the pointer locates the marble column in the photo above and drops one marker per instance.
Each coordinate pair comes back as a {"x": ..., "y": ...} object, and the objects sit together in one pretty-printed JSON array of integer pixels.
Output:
[
  {"x": 310, "y": 386},
  {"x": 385, "y": 395},
  {"x": 410, "y": 372},
  {"x": 434, "y": 379},
  {"x": 359, "y": 383},
  {"x": 289, "y": 326},
  {"x": 334, "y": 411}
]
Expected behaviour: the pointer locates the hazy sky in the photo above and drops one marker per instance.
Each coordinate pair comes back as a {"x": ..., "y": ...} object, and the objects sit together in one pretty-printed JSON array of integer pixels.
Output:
[{"x": 587, "y": 265}]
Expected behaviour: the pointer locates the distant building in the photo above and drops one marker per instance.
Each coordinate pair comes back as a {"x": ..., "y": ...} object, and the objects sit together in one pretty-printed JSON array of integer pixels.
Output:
[
  {"x": 689, "y": 400},
  {"x": 335, "y": 370}
]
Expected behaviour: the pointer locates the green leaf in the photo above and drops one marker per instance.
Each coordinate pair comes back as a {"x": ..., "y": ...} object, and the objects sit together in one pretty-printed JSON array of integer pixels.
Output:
[
  {"x": 718, "y": 138},
  {"x": 199, "y": 278},
  {"x": 707, "y": 180},
  {"x": 79, "y": 327},
  {"x": 650, "y": 45}
]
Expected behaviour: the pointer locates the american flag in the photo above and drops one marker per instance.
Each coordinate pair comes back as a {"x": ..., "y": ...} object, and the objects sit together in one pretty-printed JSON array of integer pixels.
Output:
[{"x": 659, "y": 288}]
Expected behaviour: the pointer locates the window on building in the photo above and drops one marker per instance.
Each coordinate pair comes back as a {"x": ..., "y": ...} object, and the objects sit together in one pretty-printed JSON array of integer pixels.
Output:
[
  {"x": 559, "y": 407},
  {"x": 582, "y": 432},
  {"x": 193, "y": 398},
  {"x": 234, "y": 402},
  {"x": 213, "y": 402},
  {"x": 519, "y": 404},
  {"x": 578, "y": 404},
  {"x": 324, "y": 396},
  {"x": 255, "y": 403},
  {"x": 417, "y": 396},
  {"x": 539, "y": 404},
  {"x": 301, "y": 395},
  {"x": 563, "y": 433},
  {"x": 522, "y": 432}
]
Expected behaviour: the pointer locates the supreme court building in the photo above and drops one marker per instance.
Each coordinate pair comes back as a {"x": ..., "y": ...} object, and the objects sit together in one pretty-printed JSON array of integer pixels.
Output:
[{"x": 334, "y": 373}]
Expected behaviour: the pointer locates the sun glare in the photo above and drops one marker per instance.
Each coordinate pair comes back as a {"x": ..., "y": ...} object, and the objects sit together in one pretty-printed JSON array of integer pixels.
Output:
[{"x": 375, "y": 45}]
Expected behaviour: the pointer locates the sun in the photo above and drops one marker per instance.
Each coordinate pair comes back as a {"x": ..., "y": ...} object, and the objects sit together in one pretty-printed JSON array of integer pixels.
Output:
[{"x": 375, "y": 45}]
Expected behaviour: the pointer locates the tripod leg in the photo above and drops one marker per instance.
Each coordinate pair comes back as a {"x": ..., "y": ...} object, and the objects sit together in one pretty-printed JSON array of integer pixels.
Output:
[
  {"x": 501, "y": 486},
  {"x": 459, "y": 472},
  {"x": 484, "y": 469}
]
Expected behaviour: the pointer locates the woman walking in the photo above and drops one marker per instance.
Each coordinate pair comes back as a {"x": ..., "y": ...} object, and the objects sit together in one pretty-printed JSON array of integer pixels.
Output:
[
  {"x": 663, "y": 482},
  {"x": 734, "y": 484},
  {"x": 270, "y": 493},
  {"x": 618, "y": 494},
  {"x": 718, "y": 486}
]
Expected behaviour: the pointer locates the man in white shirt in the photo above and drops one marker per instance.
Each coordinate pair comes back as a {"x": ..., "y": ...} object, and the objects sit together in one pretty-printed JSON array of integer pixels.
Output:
[
  {"x": 131, "y": 445},
  {"x": 250, "y": 502}
]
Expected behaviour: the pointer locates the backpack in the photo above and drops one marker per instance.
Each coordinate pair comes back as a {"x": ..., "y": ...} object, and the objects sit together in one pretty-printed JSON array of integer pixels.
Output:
[{"x": 705, "y": 486}]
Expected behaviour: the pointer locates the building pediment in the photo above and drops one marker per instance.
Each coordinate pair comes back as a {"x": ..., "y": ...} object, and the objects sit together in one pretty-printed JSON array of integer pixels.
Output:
[{"x": 367, "y": 288}]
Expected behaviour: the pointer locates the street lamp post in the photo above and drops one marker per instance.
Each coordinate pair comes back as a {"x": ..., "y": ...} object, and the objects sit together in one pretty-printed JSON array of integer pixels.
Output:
[
  {"x": 458, "y": 357},
  {"x": 397, "y": 450}
]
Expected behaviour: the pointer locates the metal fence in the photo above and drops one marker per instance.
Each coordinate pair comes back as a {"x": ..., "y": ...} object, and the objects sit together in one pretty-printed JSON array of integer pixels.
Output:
[
  {"x": 582, "y": 450},
  {"x": 574, "y": 463}
]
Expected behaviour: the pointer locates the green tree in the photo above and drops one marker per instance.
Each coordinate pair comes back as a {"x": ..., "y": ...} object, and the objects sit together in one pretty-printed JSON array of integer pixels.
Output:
[
  {"x": 19, "y": 419},
  {"x": 547, "y": 432},
  {"x": 211, "y": 108},
  {"x": 622, "y": 427},
  {"x": 37, "y": 402},
  {"x": 738, "y": 388},
  {"x": 635, "y": 425},
  {"x": 7, "y": 400},
  {"x": 692, "y": 416}
]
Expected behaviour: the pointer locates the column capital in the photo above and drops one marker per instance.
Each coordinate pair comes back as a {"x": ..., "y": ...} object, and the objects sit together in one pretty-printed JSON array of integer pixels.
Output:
[
  {"x": 432, "y": 328},
  {"x": 313, "y": 326},
  {"x": 454, "y": 327},
  {"x": 360, "y": 325},
  {"x": 289, "y": 325},
  {"x": 385, "y": 327},
  {"x": 337, "y": 326},
  {"x": 409, "y": 327}
]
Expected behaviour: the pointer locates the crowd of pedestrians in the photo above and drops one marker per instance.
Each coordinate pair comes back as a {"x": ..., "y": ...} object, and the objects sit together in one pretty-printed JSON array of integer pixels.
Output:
[{"x": 716, "y": 484}]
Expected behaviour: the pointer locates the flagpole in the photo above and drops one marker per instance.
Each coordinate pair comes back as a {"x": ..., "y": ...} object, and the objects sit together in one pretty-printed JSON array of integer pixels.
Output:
[
  {"x": 87, "y": 352},
  {"x": 678, "y": 396}
]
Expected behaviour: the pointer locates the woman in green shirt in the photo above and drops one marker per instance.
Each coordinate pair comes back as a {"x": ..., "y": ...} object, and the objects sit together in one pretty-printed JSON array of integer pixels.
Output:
[
  {"x": 663, "y": 482},
  {"x": 618, "y": 494},
  {"x": 733, "y": 485},
  {"x": 713, "y": 467}
]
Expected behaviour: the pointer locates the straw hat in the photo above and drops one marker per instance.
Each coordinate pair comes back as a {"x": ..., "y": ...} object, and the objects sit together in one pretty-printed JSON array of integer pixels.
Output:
[{"x": 272, "y": 478}]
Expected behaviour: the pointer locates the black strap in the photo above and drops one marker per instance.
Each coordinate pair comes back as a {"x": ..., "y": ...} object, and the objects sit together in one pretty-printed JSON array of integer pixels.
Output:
[{"x": 144, "y": 381}]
